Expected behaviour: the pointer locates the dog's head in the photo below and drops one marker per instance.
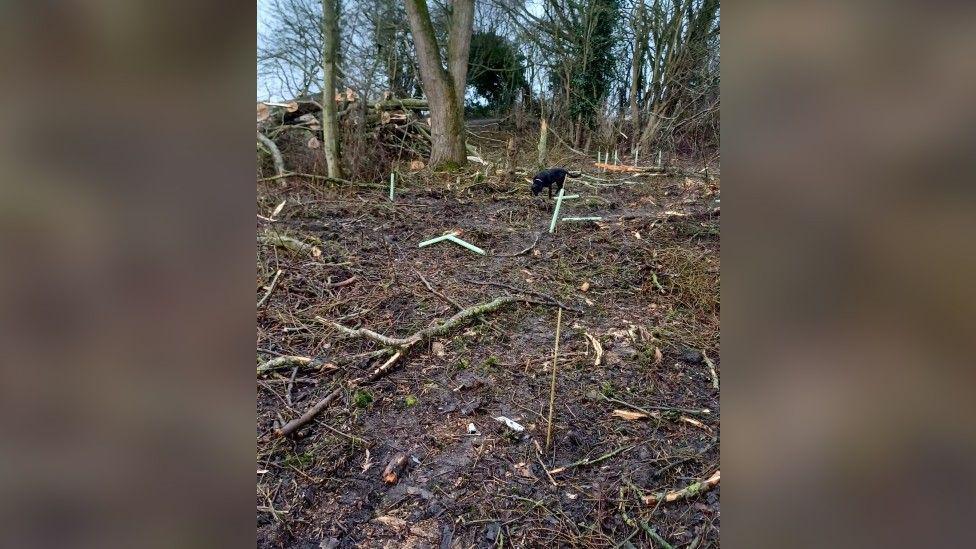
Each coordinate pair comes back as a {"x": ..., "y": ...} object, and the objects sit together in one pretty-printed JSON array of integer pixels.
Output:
[{"x": 537, "y": 186}]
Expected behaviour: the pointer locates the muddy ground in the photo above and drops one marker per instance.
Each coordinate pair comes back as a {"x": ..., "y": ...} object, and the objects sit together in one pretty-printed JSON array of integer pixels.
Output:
[{"x": 646, "y": 281}]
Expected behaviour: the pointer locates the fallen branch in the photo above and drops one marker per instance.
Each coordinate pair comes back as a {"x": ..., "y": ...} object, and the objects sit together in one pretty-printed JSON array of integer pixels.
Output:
[
  {"x": 289, "y": 243},
  {"x": 438, "y": 329},
  {"x": 548, "y": 300},
  {"x": 274, "y": 282},
  {"x": 363, "y": 332},
  {"x": 588, "y": 461},
  {"x": 283, "y": 363},
  {"x": 309, "y": 414},
  {"x": 689, "y": 491},
  {"x": 279, "y": 163},
  {"x": 552, "y": 387},
  {"x": 404, "y": 345}
]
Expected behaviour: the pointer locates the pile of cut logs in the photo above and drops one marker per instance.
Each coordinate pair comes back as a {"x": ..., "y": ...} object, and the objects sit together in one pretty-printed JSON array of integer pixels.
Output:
[{"x": 403, "y": 120}]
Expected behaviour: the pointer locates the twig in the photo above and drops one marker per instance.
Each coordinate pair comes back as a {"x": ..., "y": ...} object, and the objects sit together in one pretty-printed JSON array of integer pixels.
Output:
[
  {"x": 597, "y": 348},
  {"x": 549, "y": 299},
  {"x": 538, "y": 456},
  {"x": 686, "y": 492},
  {"x": 702, "y": 412},
  {"x": 293, "y": 425},
  {"x": 711, "y": 369},
  {"x": 340, "y": 433},
  {"x": 438, "y": 329},
  {"x": 289, "y": 243},
  {"x": 274, "y": 282},
  {"x": 552, "y": 386},
  {"x": 283, "y": 363},
  {"x": 435, "y": 292},
  {"x": 536, "y": 241},
  {"x": 657, "y": 538},
  {"x": 291, "y": 384},
  {"x": 588, "y": 461},
  {"x": 345, "y": 282},
  {"x": 339, "y": 181},
  {"x": 363, "y": 332}
]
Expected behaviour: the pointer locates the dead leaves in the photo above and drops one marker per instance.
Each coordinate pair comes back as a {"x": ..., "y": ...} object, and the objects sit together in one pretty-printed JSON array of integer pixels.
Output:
[{"x": 437, "y": 348}]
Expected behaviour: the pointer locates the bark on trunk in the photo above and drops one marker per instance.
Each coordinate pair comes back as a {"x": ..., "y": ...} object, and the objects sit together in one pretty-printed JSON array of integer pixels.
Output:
[
  {"x": 459, "y": 44},
  {"x": 330, "y": 127},
  {"x": 446, "y": 116},
  {"x": 636, "y": 70}
]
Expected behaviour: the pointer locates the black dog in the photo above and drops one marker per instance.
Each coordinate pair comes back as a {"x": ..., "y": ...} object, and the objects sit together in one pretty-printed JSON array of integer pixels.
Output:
[{"x": 547, "y": 178}]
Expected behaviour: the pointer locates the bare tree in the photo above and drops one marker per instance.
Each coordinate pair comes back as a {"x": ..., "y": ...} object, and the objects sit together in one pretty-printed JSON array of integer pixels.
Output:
[
  {"x": 444, "y": 87},
  {"x": 330, "y": 127}
]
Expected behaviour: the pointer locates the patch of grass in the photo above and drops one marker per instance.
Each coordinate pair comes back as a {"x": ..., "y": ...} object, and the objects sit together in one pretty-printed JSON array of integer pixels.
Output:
[
  {"x": 301, "y": 461},
  {"x": 362, "y": 399},
  {"x": 607, "y": 388},
  {"x": 693, "y": 279},
  {"x": 490, "y": 363},
  {"x": 410, "y": 400},
  {"x": 462, "y": 364}
]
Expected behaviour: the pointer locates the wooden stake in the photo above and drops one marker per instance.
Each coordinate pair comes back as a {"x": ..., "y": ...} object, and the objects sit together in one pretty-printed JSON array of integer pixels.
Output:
[
  {"x": 392, "y": 174},
  {"x": 552, "y": 386},
  {"x": 555, "y": 213},
  {"x": 543, "y": 140}
]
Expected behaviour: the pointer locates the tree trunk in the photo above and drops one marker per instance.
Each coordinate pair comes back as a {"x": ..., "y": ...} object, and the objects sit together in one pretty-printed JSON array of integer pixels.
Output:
[
  {"x": 543, "y": 143},
  {"x": 330, "y": 127},
  {"x": 459, "y": 45},
  {"x": 446, "y": 116},
  {"x": 636, "y": 70}
]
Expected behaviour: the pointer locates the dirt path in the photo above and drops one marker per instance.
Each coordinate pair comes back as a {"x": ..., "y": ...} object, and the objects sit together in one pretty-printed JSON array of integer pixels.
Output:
[{"x": 650, "y": 273}]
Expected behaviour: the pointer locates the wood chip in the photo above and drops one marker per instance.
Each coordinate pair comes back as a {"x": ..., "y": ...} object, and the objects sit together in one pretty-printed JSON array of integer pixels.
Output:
[
  {"x": 628, "y": 414},
  {"x": 437, "y": 348},
  {"x": 391, "y": 474}
]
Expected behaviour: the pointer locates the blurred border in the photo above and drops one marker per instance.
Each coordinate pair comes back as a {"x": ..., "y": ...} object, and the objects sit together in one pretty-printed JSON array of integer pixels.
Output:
[
  {"x": 128, "y": 319},
  {"x": 847, "y": 265}
]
